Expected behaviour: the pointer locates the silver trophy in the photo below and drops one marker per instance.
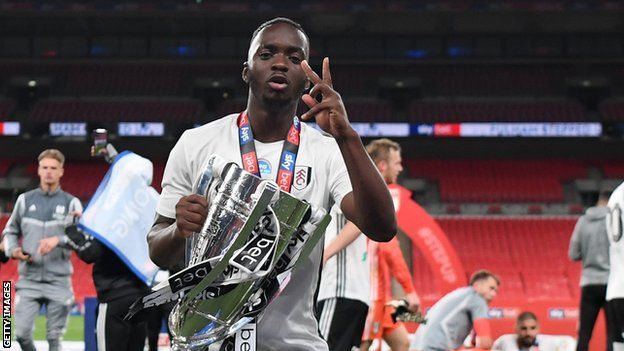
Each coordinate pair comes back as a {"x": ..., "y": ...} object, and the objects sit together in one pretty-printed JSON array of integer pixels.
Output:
[{"x": 252, "y": 238}]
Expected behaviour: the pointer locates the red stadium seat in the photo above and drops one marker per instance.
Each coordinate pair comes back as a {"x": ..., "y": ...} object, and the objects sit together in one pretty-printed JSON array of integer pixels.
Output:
[{"x": 529, "y": 255}]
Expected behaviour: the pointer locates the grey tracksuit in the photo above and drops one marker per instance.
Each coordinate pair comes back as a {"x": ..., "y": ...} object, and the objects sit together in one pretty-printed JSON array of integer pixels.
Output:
[
  {"x": 47, "y": 279},
  {"x": 590, "y": 244}
]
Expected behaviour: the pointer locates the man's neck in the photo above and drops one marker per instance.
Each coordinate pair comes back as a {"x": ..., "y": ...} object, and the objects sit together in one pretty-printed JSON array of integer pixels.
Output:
[
  {"x": 270, "y": 125},
  {"x": 48, "y": 188}
]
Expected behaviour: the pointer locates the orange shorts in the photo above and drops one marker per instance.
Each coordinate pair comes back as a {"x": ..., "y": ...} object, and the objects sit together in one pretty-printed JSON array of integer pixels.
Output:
[{"x": 379, "y": 321}]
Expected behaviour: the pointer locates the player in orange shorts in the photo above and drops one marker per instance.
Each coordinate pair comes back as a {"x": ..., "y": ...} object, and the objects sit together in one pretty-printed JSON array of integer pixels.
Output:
[{"x": 386, "y": 260}]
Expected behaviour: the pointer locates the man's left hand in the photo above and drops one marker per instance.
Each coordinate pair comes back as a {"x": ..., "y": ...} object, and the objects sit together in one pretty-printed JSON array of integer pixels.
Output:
[
  {"x": 330, "y": 113},
  {"x": 48, "y": 244}
]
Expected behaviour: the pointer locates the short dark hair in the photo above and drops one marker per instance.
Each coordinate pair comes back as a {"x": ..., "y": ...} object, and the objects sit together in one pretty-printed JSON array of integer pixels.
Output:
[
  {"x": 604, "y": 195},
  {"x": 483, "y": 275},
  {"x": 279, "y": 20},
  {"x": 525, "y": 316}
]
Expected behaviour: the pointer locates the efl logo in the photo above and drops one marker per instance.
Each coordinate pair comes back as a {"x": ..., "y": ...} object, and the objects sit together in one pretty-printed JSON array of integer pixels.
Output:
[
  {"x": 293, "y": 136},
  {"x": 244, "y": 119},
  {"x": 288, "y": 162},
  {"x": 6, "y": 314}
]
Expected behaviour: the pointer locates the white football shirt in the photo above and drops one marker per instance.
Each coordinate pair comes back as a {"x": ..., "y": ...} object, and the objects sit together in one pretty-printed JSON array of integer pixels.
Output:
[
  {"x": 320, "y": 178},
  {"x": 615, "y": 220},
  {"x": 346, "y": 274}
]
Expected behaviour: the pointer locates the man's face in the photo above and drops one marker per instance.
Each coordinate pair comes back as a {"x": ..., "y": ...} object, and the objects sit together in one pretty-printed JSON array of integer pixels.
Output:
[
  {"x": 392, "y": 167},
  {"x": 273, "y": 69},
  {"x": 487, "y": 288},
  {"x": 527, "y": 331},
  {"x": 50, "y": 171}
]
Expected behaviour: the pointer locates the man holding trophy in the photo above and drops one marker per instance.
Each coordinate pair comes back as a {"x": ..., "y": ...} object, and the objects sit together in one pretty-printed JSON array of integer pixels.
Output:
[{"x": 268, "y": 141}]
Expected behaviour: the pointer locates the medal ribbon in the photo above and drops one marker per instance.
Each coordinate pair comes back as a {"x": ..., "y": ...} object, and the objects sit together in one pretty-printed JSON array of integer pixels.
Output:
[{"x": 288, "y": 156}]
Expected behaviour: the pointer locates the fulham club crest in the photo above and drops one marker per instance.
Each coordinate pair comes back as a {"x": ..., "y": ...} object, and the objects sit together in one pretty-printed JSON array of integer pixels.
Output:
[{"x": 302, "y": 177}]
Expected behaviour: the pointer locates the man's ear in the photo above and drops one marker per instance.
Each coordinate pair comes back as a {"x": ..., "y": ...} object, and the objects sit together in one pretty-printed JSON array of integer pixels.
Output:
[
  {"x": 245, "y": 73},
  {"x": 382, "y": 166}
]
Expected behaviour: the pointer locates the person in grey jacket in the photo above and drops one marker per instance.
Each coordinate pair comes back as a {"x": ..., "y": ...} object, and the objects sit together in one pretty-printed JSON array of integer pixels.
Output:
[
  {"x": 39, "y": 218},
  {"x": 589, "y": 244}
]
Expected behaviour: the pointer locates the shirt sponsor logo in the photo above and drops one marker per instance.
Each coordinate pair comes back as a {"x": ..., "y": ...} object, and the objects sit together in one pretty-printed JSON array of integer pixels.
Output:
[{"x": 32, "y": 208}]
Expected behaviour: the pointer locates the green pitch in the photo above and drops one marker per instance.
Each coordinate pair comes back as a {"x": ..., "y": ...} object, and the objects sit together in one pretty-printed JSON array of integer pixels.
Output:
[{"x": 75, "y": 328}]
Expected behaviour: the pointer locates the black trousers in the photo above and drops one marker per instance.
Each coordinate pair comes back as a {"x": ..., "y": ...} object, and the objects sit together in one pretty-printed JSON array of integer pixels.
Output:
[
  {"x": 154, "y": 322},
  {"x": 115, "y": 334},
  {"x": 341, "y": 322},
  {"x": 616, "y": 320},
  {"x": 592, "y": 300}
]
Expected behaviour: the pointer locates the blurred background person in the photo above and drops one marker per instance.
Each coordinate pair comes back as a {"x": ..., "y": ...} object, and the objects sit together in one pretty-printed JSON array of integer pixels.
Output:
[
  {"x": 117, "y": 287},
  {"x": 344, "y": 291},
  {"x": 39, "y": 219},
  {"x": 589, "y": 244},
  {"x": 450, "y": 320},
  {"x": 528, "y": 337},
  {"x": 387, "y": 261}
]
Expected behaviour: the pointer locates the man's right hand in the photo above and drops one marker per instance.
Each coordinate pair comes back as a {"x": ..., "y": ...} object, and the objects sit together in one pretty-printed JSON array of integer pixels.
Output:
[
  {"x": 19, "y": 254},
  {"x": 413, "y": 302},
  {"x": 191, "y": 212}
]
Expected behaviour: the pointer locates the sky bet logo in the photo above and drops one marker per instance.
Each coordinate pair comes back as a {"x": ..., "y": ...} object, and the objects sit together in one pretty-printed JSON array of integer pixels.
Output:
[
  {"x": 245, "y": 134},
  {"x": 288, "y": 162}
]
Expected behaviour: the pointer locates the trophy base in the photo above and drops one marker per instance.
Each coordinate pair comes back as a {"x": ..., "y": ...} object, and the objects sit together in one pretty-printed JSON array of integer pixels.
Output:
[{"x": 212, "y": 333}]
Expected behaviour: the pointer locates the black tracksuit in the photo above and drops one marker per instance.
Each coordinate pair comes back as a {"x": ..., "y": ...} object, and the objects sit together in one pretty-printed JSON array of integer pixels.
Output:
[{"x": 117, "y": 288}]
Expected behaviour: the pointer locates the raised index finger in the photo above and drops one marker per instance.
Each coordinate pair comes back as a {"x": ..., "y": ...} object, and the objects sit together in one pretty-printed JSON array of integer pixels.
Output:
[
  {"x": 310, "y": 73},
  {"x": 327, "y": 78}
]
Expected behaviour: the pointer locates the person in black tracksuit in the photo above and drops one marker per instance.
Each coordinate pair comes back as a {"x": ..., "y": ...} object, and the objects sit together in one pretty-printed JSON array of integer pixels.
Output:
[{"x": 117, "y": 288}]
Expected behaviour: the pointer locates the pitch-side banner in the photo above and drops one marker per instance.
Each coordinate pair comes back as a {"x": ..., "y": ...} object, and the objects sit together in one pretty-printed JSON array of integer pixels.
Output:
[
  {"x": 430, "y": 239},
  {"x": 122, "y": 211}
]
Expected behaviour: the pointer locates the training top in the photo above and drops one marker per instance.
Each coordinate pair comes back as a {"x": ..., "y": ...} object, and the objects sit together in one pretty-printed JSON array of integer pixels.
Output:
[{"x": 615, "y": 220}]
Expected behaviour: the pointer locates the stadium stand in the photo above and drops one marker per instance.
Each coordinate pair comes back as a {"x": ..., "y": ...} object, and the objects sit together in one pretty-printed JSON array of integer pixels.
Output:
[
  {"x": 179, "y": 111},
  {"x": 528, "y": 253},
  {"x": 6, "y": 108},
  {"x": 5, "y": 165},
  {"x": 498, "y": 180},
  {"x": 613, "y": 110},
  {"x": 113, "y": 79}
]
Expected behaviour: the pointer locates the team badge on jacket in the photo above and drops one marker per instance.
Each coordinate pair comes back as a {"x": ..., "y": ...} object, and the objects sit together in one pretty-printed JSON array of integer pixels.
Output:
[{"x": 302, "y": 177}]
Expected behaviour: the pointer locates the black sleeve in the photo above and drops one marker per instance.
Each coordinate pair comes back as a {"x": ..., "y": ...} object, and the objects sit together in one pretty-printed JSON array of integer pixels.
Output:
[
  {"x": 91, "y": 251},
  {"x": 87, "y": 248}
]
